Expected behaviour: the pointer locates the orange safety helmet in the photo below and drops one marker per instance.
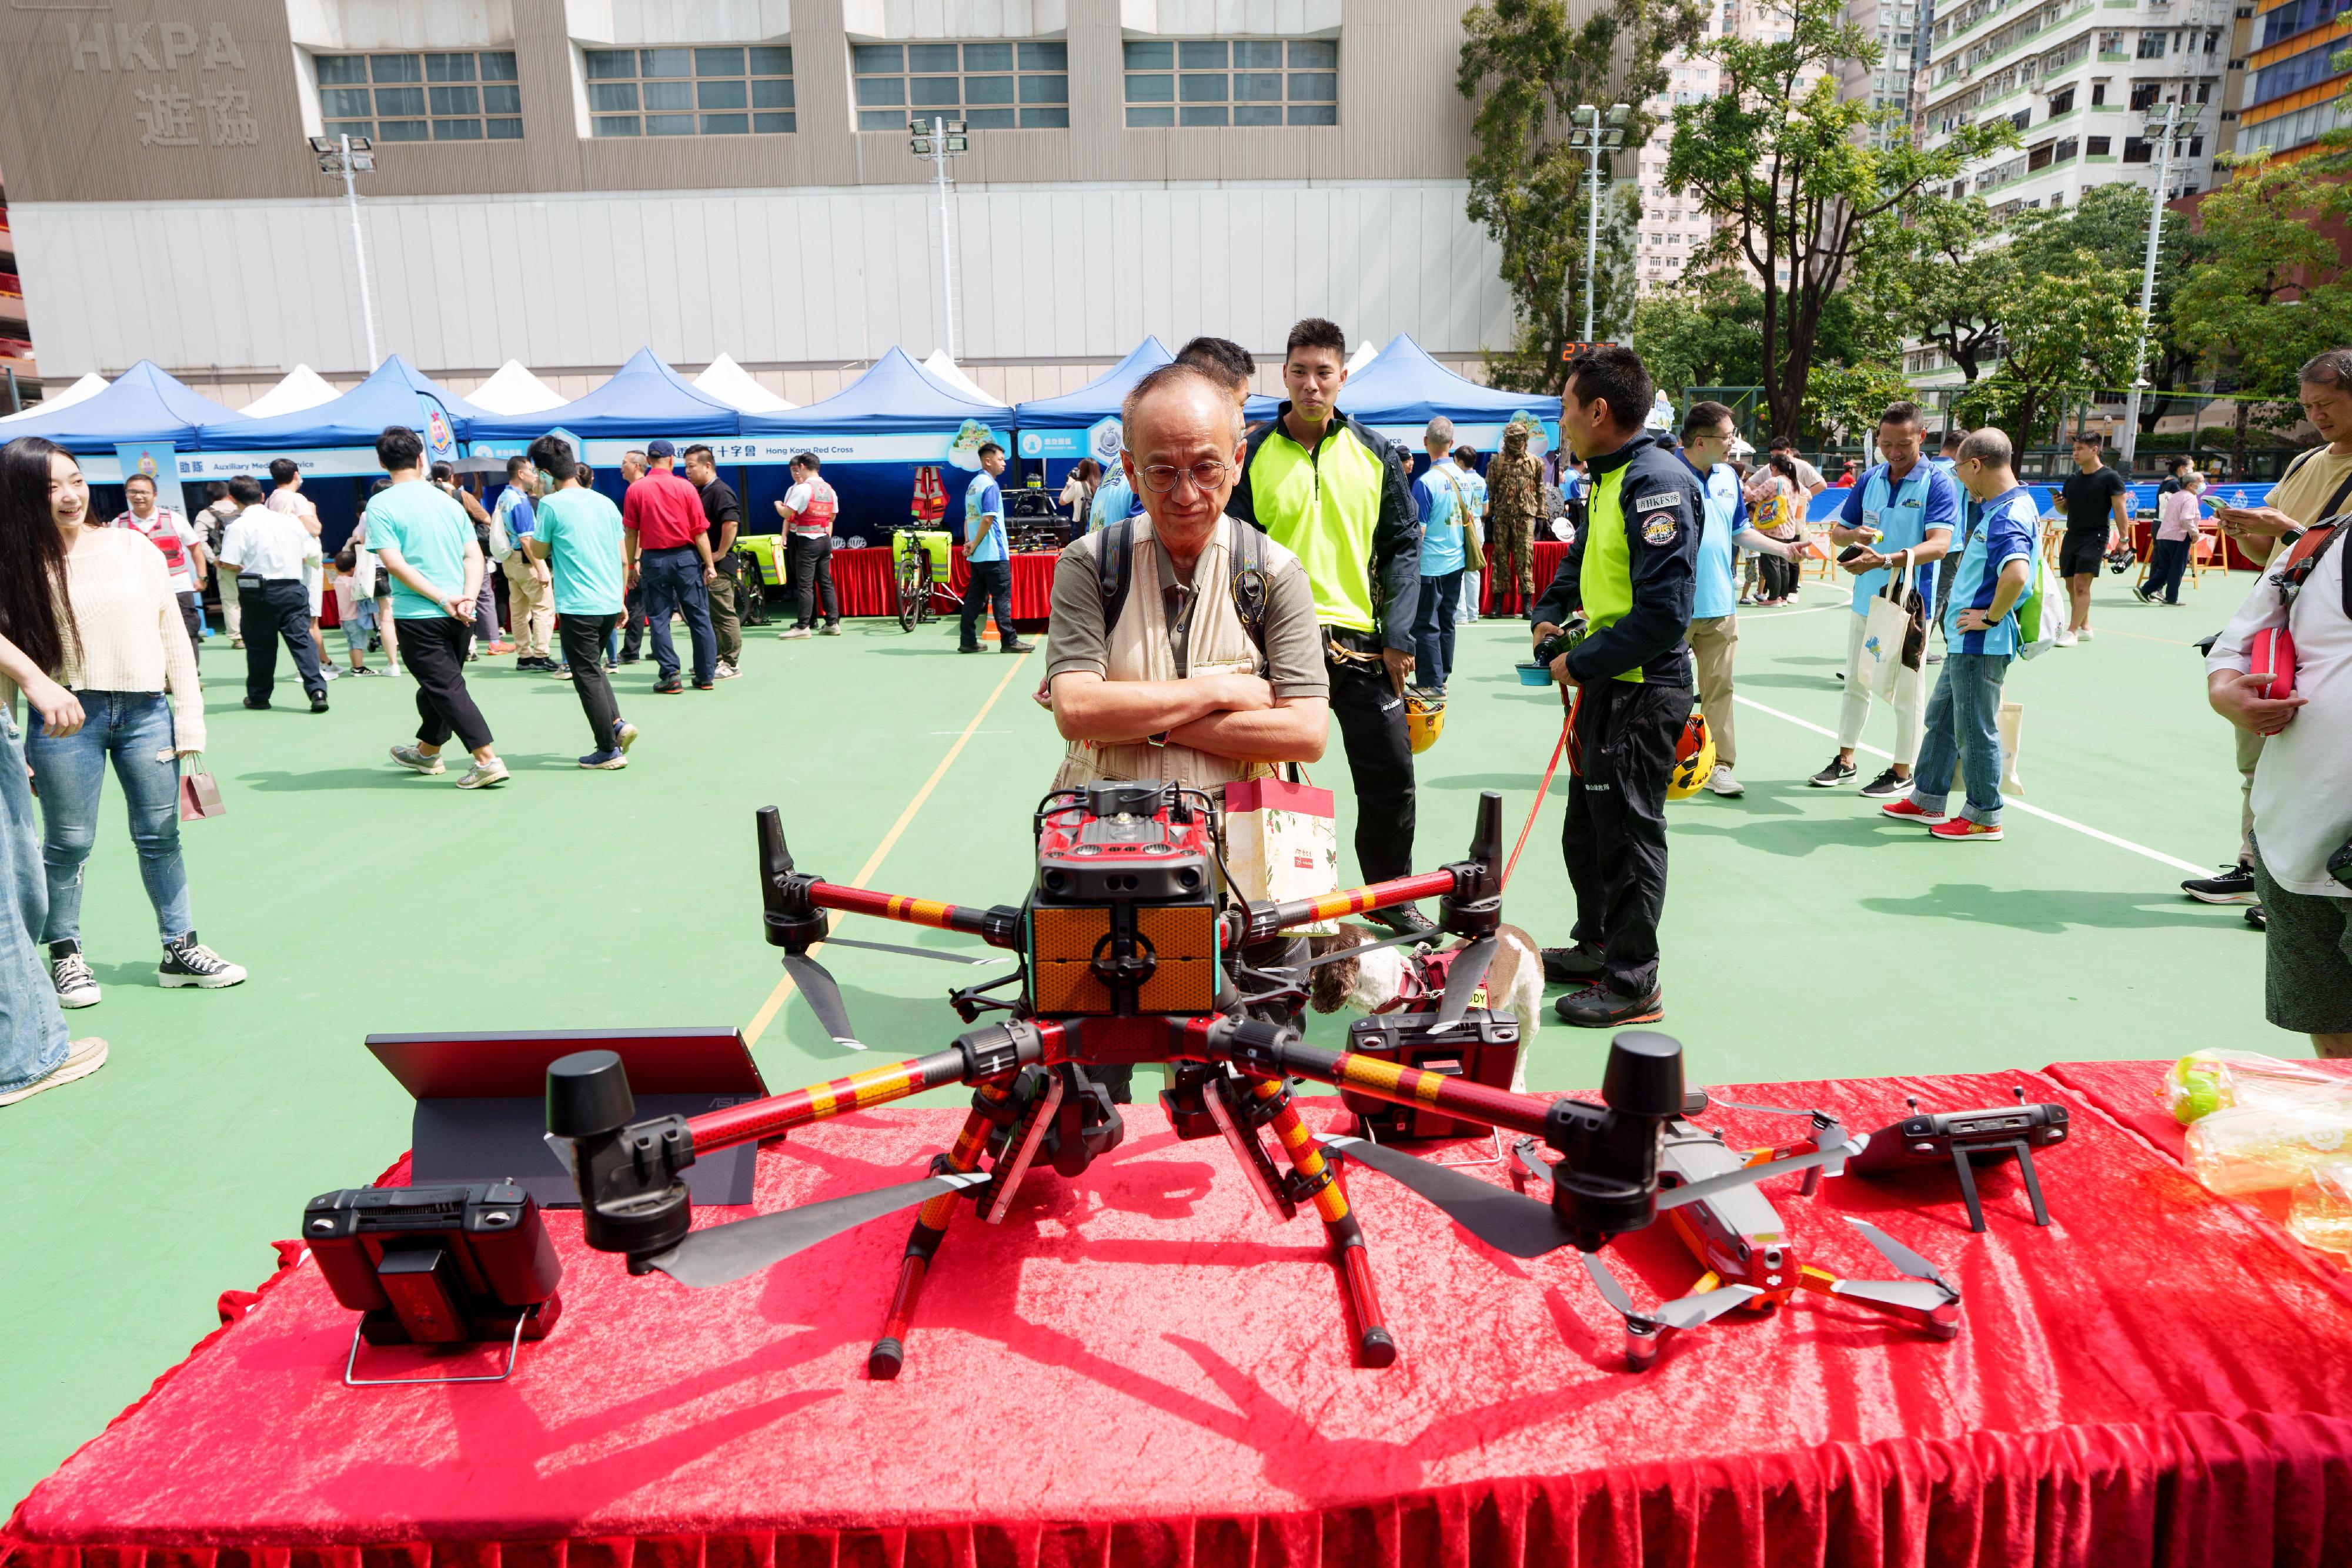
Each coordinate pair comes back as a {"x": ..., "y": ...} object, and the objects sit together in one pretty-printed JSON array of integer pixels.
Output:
[{"x": 1693, "y": 758}]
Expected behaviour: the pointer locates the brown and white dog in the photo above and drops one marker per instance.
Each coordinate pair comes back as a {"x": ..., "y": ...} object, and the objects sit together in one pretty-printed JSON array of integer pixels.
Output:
[{"x": 1386, "y": 979}]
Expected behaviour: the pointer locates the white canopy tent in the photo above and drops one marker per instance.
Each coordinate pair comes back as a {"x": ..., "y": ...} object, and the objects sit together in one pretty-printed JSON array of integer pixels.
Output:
[
  {"x": 1366, "y": 352},
  {"x": 731, "y": 383},
  {"x": 301, "y": 388},
  {"x": 514, "y": 390},
  {"x": 946, "y": 371},
  {"x": 89, "y": 386}
]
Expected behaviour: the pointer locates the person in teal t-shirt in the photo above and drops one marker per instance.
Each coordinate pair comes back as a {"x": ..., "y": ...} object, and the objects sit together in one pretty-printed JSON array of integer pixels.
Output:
[
  {"x": 423, "y": 539},
  {"x": 579, "y": 537}
]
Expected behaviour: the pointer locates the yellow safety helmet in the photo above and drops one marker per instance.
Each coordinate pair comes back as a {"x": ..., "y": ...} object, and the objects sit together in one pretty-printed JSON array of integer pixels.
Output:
[
  {"x": 1693, "y": 758},
  {"x": 1425, "y": 717}
]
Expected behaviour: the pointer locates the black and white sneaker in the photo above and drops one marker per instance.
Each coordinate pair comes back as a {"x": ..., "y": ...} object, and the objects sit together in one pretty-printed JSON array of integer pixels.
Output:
[
  {"x": 1885, "y": 784},
  {"x": 77, "y": 987},
  {"x": 2256, "y": 918},
  {"x": 2234, "y": 886},
  {"x": 1835, "y": 774},
  {"x": 188, "y": 962}
]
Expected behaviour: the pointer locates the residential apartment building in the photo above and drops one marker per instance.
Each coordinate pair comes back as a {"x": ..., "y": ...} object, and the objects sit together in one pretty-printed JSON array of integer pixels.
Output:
[
  {"x": 562, "y": 181},
  {"x": 2290, "y": 48},
  {"x": 2076, "y": 79}
]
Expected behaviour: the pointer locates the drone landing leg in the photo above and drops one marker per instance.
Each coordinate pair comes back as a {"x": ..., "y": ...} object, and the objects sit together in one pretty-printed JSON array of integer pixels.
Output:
[
  {"x": 889, "y": 1352},
  {"x": 1966, "y": 1173},
  {"x": 1374, "y": 1345}
]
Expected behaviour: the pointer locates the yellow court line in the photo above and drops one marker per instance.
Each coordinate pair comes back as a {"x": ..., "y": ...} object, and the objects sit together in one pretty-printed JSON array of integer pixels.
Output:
[{"x": 776, "y": 998}]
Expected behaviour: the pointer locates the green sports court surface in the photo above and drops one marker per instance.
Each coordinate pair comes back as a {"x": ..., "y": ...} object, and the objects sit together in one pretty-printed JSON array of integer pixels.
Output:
[{"x": 1802, "y": 938}]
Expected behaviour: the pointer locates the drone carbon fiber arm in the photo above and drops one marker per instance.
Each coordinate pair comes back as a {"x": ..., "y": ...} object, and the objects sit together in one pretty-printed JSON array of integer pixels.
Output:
[
  {"x": 999, "y": 926},
  {"x": 979, "y": 1056}
]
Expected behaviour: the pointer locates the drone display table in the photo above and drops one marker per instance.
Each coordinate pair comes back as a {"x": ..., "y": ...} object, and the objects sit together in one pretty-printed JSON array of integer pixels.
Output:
[{"x": 1140, "y": 1369}]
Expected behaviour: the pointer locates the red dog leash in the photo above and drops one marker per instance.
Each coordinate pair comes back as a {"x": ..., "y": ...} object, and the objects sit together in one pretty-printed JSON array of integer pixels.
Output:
[{"x": 1567, "y": 735}]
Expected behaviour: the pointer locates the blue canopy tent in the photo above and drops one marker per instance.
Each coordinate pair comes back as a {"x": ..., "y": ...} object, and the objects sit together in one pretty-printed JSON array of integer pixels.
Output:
[
  {"x": 143, "y": 407},
  {"x": 872, "y": 435},
  {"x": 335, "y": 442},
  {"x": 644, "y": 399},
  {"x": 1057, "y": 431},
  {"x": 1402, "y": 391}
]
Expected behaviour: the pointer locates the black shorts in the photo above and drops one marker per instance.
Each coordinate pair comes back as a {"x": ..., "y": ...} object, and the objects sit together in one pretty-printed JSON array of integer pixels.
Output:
[
  {"x": 2307, "y": 952},
  {"x": 2082, "y": 552}
]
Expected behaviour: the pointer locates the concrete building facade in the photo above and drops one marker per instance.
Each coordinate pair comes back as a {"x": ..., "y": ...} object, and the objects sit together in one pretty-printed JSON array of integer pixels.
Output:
[{"x": 562, "y": 181}]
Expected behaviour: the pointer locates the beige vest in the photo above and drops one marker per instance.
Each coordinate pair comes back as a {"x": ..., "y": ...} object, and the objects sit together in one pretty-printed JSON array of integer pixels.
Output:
[{"x": 1139, "y": 651}]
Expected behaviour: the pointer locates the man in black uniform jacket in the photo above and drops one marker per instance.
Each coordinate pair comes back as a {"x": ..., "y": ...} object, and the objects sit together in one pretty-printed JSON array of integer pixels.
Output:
[{"x": 1631, "y": 572}]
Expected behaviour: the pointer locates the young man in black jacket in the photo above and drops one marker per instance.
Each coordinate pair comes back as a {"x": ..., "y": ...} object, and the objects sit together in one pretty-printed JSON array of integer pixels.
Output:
[{"x": 1631, "y": 573}]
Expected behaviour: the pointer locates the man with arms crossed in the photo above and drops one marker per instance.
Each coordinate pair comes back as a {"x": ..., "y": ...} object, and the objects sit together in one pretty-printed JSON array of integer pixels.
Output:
[{"x": 1170, "y": 683}]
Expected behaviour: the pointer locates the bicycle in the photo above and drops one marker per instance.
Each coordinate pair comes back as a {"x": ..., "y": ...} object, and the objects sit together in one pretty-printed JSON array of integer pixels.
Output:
[{"x": 918, "y": 572}]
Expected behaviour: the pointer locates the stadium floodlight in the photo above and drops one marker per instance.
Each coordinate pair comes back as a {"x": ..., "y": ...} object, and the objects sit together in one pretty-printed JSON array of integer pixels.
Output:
[
  {"x": 940, "y": 139},
  {"x": 346, "y": 155}
]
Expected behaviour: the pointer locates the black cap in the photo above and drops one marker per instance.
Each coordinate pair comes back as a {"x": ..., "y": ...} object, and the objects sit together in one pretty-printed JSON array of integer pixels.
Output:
[{"x": 588, "y": 1094}]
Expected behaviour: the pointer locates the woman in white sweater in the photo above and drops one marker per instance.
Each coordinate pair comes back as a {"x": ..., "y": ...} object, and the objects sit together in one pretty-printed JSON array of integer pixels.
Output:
[{"x": 125, "y": 648}]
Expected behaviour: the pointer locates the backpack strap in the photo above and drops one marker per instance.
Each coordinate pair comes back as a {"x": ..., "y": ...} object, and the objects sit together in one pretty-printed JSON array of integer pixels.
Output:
[
  {"x": 1113, "y": 568},
  {"x": 1248, "y": 561}
]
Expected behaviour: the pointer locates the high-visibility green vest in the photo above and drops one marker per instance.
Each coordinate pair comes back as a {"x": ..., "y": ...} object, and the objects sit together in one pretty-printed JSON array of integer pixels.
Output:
[
  {"x": 1605, "y": 581},
  {"x": 1323, "y": 506}
]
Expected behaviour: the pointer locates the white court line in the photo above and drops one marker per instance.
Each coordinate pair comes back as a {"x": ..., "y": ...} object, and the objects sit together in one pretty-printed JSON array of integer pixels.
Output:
[
  {"x": 2008, "y": 803},
  {"x": 1784, "y": 614}
]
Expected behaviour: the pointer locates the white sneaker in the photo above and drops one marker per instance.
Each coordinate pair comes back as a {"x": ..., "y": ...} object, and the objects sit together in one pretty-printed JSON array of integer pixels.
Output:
[
  {"x": 188, "y": 962},
  {"x": 2065, "y": 638},
  {"x": 482, "y": 775},
  {"x": 77, "y": 987},
  {"x": 1723, "y": 783},
  {"x": 83, "y": 1056},
  {"x": 793, "y": 633},
  {"x": 2084, "y": 636},
  {"x": 725, "y": 672}
]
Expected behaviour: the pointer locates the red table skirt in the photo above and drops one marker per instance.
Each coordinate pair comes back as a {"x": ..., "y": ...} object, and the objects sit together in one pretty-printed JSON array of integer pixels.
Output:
[
  {"x": 1140, "y": 1369},
  {"x": 864, "y": 579}
]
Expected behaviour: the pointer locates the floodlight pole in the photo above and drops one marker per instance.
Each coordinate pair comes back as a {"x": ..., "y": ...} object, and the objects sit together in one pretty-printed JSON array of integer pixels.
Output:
[
  {"x": 1594, "y": 141},
  {"x": 359, "y": 254},
  {"x": 946, "y": 243},
  {"x": 2129, "y": 444}
]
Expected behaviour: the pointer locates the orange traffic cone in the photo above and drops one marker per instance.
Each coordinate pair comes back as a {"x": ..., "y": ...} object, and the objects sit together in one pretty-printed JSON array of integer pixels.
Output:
[{"x": 989, "y": 633}]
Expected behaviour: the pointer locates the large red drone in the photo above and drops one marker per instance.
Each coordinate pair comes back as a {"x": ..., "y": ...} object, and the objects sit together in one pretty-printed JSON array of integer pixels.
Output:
[{"x": 1132, "y": 948}]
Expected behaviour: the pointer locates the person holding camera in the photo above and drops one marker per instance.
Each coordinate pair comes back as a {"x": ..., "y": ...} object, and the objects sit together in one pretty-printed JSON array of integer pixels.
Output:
[{"x": 1631, "y": 573}]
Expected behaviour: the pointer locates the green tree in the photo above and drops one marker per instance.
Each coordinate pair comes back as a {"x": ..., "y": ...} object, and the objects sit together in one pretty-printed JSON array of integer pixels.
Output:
[
  {"x": 1786, "y": 167},
  {"x": 1706, "y": 330},
  {"x": 1934, "y": 280},
  {"x": 1845, "y": 400},
  {"x": 2111, "y": 223},
  {"x": 2269, "y": 290},
  {"x": 2067, "y": 323},
  {"x": 1526, "y": 64}
]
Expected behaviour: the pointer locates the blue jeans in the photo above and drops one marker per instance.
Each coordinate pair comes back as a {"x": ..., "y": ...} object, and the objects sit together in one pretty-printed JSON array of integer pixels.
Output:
[
  {"x": 673, "y": 580},
  {"x": 32, "y": 1029},
  {"x": 127, "y": 728},
  {"x": 1432, "y": 630},
  {"x": 1963, "y": 727}
]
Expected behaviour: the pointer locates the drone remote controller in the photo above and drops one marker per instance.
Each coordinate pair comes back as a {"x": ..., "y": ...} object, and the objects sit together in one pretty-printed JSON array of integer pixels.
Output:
[{"x": 1962, "y": 1138}]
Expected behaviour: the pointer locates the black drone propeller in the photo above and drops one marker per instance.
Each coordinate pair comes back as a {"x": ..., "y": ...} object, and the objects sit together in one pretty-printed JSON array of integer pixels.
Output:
[
  {"x": 1463, "y": 980},
  {"x": 726, "y": 1253},
  {"x": 1524, "y": 1227},
  {"x": 823, "y": 993}
]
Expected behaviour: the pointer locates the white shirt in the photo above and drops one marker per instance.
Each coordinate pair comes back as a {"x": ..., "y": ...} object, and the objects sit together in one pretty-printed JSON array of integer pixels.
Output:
[
  {"x": 270, "y": 545},
  {"x": 2302, "y": 812}
]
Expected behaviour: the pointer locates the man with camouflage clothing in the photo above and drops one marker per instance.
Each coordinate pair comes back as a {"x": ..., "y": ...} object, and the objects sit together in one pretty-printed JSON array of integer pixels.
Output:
[{"x": 1514, "y": 492}]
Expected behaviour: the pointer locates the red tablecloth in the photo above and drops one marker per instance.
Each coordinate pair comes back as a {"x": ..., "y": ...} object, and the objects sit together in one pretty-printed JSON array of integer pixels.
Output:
[
  {"x": 1139, "y": 1368},
  {"x": 863, "y": 580},
  {"x": 1545, "y": 560}
]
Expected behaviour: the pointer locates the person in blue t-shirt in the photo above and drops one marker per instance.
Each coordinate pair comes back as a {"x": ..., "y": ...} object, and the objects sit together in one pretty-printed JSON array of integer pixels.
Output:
[
  {"x": 985, "y": 552},
  {"x": 1708, "y": 431},
  {"x": 1442, "y": 497},
  {"x": 1996, "y": 562},
  {"x": 1899, "y": 517}
]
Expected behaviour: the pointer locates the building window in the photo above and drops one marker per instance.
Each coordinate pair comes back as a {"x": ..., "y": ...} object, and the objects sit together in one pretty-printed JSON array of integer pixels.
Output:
[
  {"x": 2098, "y": 94},
  {"x": 1233, "y": 81},
  {"x": 467, "y": 97},
  {"x": 2138, "y": 150},
  {"x": 2061, "y": 103},
  {"x": 2143, "y": 94},
  {"x": 1023, "y": 85},
  {"x": 2097, "y": 146},
  {"x": 2151, "y": 46},
  {"x": 734, "y": 89}
]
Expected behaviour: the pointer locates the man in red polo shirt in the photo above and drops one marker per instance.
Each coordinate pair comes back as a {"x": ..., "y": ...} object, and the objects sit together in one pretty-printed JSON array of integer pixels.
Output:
[{"x": 665, "y": 543}]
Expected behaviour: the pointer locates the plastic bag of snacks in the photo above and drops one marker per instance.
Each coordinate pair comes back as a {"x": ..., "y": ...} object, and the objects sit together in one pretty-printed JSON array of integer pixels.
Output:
[
  {"x": 2205, "y": 1081},
  {"x": 2265, "y": 1148}
]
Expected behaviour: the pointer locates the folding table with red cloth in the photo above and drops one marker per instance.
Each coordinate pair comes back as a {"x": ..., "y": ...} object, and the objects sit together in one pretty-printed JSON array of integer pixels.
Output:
[
  {"x": 1139, "y": 1368},
  {"x": 865, "y": 581}
]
